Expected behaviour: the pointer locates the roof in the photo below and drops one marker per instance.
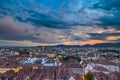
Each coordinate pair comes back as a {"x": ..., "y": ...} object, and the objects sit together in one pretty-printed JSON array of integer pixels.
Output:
[
  {"x": 100, "y": 68},
  {"x": 100, "y": 76},
  {"x": 90, "y": 55}
]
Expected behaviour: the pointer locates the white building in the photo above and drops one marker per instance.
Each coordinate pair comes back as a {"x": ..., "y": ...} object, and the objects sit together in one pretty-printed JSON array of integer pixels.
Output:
[
  {"x": 30, "y": 61},
  {"x": 109, "y": 67},
  {"x": 54, "y": 62}
]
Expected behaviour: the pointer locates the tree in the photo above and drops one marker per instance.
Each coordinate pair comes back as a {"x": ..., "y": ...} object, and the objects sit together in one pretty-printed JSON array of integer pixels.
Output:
[
  {"x": 23, "y": 52},
  {"x": 89, "y": 76},
  {"x": 118, "y": 76}
]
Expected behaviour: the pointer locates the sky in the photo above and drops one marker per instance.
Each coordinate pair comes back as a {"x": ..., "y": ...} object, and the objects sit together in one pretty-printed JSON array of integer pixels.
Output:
[{"x": 53, "y": 22}]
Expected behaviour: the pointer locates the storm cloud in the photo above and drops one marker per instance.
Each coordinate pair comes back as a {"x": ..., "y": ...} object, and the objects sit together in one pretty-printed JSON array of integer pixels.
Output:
[{"x": 60, "y": 21}]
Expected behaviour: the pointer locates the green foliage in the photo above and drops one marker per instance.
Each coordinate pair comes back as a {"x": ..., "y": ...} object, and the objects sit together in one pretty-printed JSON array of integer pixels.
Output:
[
  {"x": 78, "y": 59},
  {"x": 23, "y": 52},
  {"x": 91, "y": 59},
  {"x": 89, "y": 76},
  {"x": 118, "y": 76},
  {"x": 63, "y": 57},
  {"x": 60, "y": 57}
]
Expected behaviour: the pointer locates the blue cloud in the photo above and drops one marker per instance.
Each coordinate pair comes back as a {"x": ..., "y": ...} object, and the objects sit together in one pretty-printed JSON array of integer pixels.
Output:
[{"x": 62, "y": 13}]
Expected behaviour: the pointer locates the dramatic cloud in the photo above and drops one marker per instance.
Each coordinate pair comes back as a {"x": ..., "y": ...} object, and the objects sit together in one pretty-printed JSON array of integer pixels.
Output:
[
  {"x": 69, "y": 22},
  {"x": 112, "y": 38}
]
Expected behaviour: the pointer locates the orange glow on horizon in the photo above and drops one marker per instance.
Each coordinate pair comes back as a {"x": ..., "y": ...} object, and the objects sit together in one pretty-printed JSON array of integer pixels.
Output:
[
  {"x": 92, "y": 42},
  {"x": 70, "y": 43}
]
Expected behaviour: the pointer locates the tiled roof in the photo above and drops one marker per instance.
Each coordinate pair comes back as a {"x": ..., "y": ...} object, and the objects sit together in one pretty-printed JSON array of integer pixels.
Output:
[
  {"x": 100, "y": 68},
  {"x": 100, "y": 76}
]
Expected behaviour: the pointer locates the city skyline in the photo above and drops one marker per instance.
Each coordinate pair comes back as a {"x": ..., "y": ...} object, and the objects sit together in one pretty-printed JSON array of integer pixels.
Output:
[{"x": 68, "y": 22}]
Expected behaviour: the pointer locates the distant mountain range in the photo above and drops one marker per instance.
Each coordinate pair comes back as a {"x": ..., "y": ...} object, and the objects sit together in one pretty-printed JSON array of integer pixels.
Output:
[
  {"x": 104, "y": 45},
  {"x": 88, "y": 45},
  {"x": 64, "y": 46}
]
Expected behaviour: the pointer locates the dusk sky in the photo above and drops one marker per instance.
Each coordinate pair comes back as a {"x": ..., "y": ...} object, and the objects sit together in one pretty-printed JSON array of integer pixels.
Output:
[{"x": 52, "y": 22}]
